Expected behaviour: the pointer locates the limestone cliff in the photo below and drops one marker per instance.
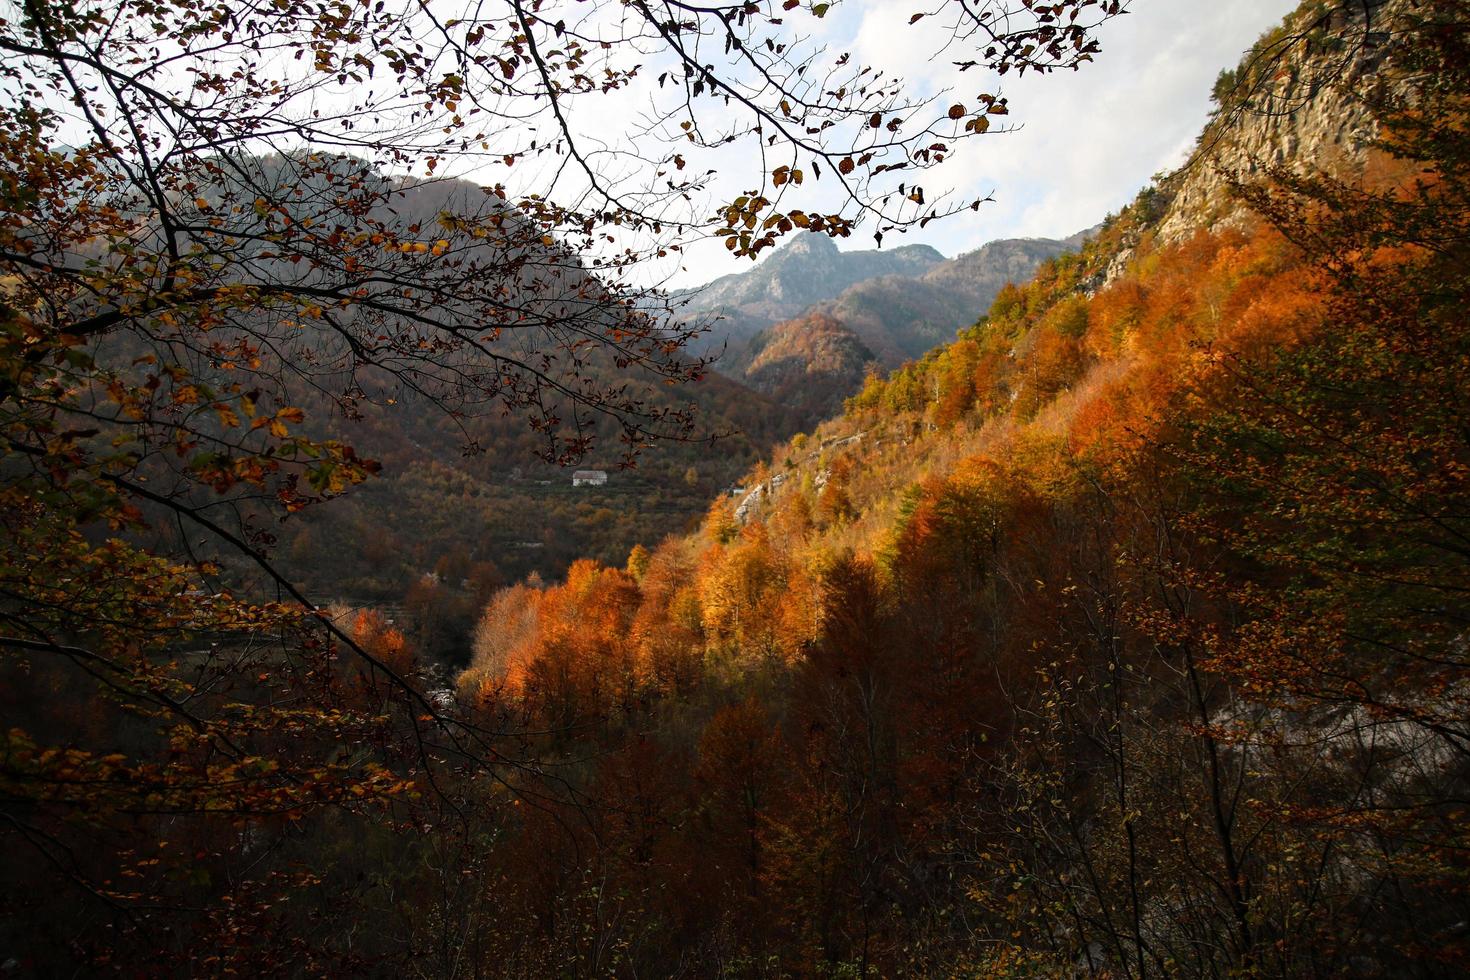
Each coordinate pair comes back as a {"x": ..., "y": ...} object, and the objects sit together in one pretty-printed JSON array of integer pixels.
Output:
[{"x": 1299, "y": 99}]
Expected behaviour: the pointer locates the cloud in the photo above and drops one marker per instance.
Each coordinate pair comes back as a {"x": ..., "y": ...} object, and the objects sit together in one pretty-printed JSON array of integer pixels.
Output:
[
  {"x": 1088, "y": 140},
  {"x": 1092, "y": 138}
]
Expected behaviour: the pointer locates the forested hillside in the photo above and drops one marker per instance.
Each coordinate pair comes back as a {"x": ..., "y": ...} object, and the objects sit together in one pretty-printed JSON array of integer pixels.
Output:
[
  {"x": 1123, "y": 636},
  {"x": 466, "y": 501},
  {"x": 481, "y": 490}
]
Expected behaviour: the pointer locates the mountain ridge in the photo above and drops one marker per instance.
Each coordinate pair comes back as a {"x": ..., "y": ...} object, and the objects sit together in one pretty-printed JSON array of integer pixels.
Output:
[{"x": 894, "y": 317}]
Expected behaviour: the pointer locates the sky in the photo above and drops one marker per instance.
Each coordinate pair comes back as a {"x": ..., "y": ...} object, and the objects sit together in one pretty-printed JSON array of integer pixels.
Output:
[{"x": 1088, "y": 140}]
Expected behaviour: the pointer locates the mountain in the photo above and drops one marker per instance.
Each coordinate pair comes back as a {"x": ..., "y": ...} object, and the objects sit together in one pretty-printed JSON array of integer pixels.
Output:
[
  {"x": 900, "y": 302},
  {"x": 869, "y": 309},
  {"x": 902, "y": 319},
  {"x": 465, "y": 498},
  {"x": 885, "y": 320},
  {"x": 808, "y": 270},
  {"x": 809, "y": 364}
]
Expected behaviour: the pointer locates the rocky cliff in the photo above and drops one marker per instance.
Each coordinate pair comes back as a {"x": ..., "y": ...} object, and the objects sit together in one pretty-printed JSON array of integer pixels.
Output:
[{"x": 1299, "y": 98}]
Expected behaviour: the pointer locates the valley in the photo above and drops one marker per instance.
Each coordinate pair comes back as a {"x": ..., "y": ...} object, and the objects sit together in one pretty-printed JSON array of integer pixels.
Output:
[{"x": 391, "y": 587}]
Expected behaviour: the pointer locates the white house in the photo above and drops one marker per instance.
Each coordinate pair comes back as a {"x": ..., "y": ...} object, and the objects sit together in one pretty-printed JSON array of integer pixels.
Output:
[{"x": 589, "y": 478}]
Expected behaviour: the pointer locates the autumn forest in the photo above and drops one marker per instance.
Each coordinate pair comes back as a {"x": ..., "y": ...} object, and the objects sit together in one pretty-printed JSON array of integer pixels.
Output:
[{"x": 1126, "y": 633}]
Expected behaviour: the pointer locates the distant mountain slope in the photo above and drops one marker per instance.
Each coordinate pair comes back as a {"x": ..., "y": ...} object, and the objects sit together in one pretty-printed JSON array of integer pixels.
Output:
[
  {"x": 879, "y": 322},
  {"x": 809, "y": 365},
  {"x": 465, "y": 494},
  {"x": 901, "y": 302},
  {"x": 902, "y": 319}
]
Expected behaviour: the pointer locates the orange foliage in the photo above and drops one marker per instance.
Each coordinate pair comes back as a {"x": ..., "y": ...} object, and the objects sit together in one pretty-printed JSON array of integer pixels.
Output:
[
  {"x": 667, "y": 628},
  {"x": 373, "y": 632},
  {"x": 586, "y": 661}
]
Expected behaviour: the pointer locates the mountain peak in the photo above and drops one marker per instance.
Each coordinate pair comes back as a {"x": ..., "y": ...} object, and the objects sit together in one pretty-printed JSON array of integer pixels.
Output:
[
  {"x": 811, "y": 243},
  {"x": 807, "y": 270}
]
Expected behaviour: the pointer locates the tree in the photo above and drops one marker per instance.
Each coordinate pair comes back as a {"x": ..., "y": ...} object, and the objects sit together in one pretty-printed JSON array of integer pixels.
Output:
[
  {"x": 739, "y": 773},
  {"x": 638, "y": 560}
]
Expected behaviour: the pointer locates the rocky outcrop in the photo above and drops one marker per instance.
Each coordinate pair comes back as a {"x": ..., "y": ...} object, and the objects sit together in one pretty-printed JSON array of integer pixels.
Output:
[
  {"x": 1308, "y": 109},
  {"x": 1300, "y": 98}
]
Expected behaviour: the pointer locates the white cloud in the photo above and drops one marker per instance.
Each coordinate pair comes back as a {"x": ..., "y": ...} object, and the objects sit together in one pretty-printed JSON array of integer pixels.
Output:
[{"x": 1088, "y": 139}]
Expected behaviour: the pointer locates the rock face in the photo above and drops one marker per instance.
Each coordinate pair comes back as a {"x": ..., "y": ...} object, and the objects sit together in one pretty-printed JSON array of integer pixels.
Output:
[{"x": 1299, "y": 98}]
